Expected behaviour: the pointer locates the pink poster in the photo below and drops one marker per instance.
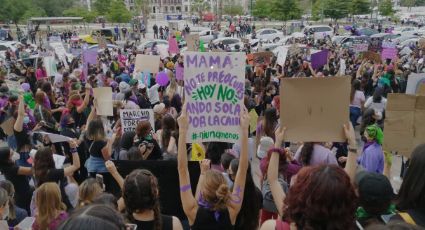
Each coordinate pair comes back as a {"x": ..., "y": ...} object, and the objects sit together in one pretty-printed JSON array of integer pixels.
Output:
[
  {"x": 389, "y": 53},
  {"x": 172, "y": 46},
  {"x": 179, "y": 72}
]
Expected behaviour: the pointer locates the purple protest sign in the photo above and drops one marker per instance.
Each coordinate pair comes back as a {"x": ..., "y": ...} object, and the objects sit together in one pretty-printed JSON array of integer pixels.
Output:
[
  {"x": 389, "y": 53},
  {"x": 173, "y": 47},
  {"x": 319, "y": 59},
  {"x": 90, "y": 56},
  {"x": 179, "y": 72}
]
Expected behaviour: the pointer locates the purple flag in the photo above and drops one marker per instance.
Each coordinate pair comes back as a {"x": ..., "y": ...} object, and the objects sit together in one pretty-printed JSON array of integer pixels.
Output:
[
  {"x": 319, "y": 59},
  {"x": 179, "y": 72}
]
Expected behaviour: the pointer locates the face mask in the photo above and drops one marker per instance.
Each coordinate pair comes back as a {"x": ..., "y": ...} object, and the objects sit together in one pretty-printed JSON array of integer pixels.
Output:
[
  {"x": 15, "y": 156},
  {"x": 148, "y": 137},
  {"x": 26, "y": 120}
]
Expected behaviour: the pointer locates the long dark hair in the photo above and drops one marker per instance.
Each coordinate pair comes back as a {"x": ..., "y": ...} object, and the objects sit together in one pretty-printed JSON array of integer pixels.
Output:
[
  {"x": 412, "y": 190},
  {"x": 355, "y": 85},
  {"x": 269, "y": 122},
  {"x": 168, "y": 129},
  {"x": 43, "y": 162},
  {"x": 306, "y": 153},
  {"x": 5, "y": 158},
  {"x": 377, "y": 95},
  {"x": 141, "y": 193},
  {"x": 248, "y": 216}
]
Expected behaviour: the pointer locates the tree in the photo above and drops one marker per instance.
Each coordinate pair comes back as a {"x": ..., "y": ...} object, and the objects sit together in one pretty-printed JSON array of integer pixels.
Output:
[
  {"x": 80, "y": 12},
  {"x": 143, "y": 7},
  {"x": 360, "y": 7},
  {"x": 199, "y": 6},
  {"x": 262, "y": 8},
  {"x": 385, "y": 8},
  {"x": 285, "y": 10},
  {"x": 102, "y": 6},
  {"x": 33, "y": 12},
  {"x": 233, "y": 9},
  {"x": 13, "y": 10},
  {"x": 335, "y": 9},
  {"x": 118, "y": 12},
  {"x": 54, "y": 7}
]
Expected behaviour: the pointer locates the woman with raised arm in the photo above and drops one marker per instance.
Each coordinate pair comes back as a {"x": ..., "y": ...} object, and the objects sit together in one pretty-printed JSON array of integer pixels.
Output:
[
  {"x": 216, "y": 207},
  {"x": 303, "y": 206}
]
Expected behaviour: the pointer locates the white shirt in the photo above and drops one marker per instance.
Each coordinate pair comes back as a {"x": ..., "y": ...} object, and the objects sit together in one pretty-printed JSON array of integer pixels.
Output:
[
  {"x": 153, "y": 94},
  {"x": 378, "y": 107}
]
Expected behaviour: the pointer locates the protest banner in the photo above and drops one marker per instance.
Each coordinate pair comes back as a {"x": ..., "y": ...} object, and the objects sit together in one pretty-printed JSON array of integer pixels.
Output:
[
  {"x": 192, "y": 41},
  {"x": 60, "y": 51},
  {"x": 372, "y": 56},
  {"x": 131, "y": 117},
  {"x": 90, "y": 57},
  {"x": 149, "y": 63},
  {"x": 54, "y": 138},
  {"x": 104, "y": 105},
  {"x": 389, "y": 53},
  {"x": 50, "y": 65},
  {"x": 214, "y": 85},
  {"x": 404, "y": 117},
  {"x": 414, "y": 83},
  {"x": 360, "y": 47},
  {"x": 314, "y": 109},
  {"x": 173, "y": 47},
  {"x": 319, "y": 59},
  {"x": 282, "y": 52}
]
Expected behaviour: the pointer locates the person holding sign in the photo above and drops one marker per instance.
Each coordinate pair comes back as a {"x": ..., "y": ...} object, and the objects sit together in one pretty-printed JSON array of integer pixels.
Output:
[{"x": 216, "y": 207}]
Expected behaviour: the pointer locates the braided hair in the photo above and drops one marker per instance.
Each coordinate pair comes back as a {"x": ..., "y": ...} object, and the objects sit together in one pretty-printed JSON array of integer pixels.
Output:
[{"x": 140, "y": 193}]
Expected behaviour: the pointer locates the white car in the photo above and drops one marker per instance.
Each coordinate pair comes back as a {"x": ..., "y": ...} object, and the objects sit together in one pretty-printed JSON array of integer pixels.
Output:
[
  {"x": 208, "y": 35},
  {"x": 148, "y": 44},
  {"x": 233, "y": 43},
  {"x": 404, "y": 30},
  {"x": 268, "y": 34},
  {"x": 408, "y": 42},
  {"x": 324, "y": 30}
]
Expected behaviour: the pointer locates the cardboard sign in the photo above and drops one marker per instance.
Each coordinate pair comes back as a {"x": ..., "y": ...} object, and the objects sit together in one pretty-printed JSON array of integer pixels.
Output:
[
  {"x": 282, "y": 52},
  {"x": 372, "y": 56},
  {"x": 414, "y": 83},
  {"x": 319, "y": 59},
  {"x": 261, "y": 58},
  {"x": 7, "y": 126},
  {"x": 214, "y": 85},
  {"x": 389, "y": 53},
  {"x": 131, "y": 117},
  {"x": 149, "y": 63},
  {"x": 314, "y": 109},
  {"x": 50, "y": 65},
  {"x": 405, "y": 117},
  {"x": 192, "y": 41},
  {"x": 104, "y": 105}
]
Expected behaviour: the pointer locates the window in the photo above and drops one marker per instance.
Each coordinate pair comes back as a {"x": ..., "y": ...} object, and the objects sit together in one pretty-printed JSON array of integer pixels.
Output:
[
  {"x": 178, "y": 9},
  {"x": 165, "y": 9},
  {"x": 186, "y": 9}
]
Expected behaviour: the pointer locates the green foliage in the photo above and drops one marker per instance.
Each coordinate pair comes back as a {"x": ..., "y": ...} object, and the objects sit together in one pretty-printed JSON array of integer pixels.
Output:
[
  {"x": 54, "y": 8},
  {"x": 277, "y": 9},
  {"x": 199, "y": 6},
  {"x": 102, "y": 6},
  {"x": 13, "y": 10},
  {"x": 233, "y": 9},
  {"x": 334, "y": 9},
  {"x": 360, "y": 7},
  {"x": 80, "y": 12},
  {"x": 261, "y": 8},
  {"x": 118, "y": 12},
  {"x": 412, "y": 3},
  {"x": 33, "y": 12},
  {"x": 385, "y": 8}
]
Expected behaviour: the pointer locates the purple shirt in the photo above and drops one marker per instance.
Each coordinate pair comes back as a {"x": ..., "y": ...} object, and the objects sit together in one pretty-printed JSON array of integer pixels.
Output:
[
  {"x": 320, "y": 155},
  {"x": 372, "y": 158}
]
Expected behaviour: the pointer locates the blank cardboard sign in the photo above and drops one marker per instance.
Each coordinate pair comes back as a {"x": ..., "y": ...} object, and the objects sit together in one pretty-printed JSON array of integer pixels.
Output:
[
  {"x": 404, "y": 123},
  {"x": 147, "y": 63},
  {"x": 315, "y": 109}
]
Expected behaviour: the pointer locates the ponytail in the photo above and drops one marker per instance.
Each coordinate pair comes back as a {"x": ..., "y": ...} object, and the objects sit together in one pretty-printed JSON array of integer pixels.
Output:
[{"x": 306, "y": 153}]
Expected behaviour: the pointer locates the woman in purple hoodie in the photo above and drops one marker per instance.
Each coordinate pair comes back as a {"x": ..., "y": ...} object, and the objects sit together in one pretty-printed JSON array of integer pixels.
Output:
[{"x": 372, "y": 158}]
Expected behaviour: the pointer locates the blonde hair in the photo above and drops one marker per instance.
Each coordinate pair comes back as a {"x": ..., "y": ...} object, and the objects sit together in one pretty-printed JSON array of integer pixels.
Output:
[
  {"x": 215, "y": 190},
  {"x": 89, "y": 190},
  {"x": 49, "y": 202}
]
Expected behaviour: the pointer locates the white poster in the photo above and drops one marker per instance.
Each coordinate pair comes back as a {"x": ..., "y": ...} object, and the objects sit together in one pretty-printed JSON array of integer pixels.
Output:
[
  {"x": 50, "y": 65},
  {"x": 131, "y": 117},
  {"x": 214, "y": 85},
  {"x": 60, "y": 51},
  {"x": 282, "y": 52},
  {"x": 414, "y": 83}
]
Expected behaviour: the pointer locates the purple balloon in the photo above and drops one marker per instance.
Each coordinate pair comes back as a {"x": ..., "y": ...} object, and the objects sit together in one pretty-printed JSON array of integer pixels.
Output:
[{"x": 162, "y": 79}]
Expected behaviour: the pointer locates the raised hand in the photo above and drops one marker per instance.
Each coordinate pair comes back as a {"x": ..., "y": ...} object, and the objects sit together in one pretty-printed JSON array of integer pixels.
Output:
[{"x": 183, "y": 120}]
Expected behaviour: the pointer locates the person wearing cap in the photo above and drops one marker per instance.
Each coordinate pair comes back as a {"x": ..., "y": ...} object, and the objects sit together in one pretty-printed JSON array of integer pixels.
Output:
[
  {"x": 142, "y": 97},
  {"x": 375, "y": 199},
  {"x": 372, "y": 158}
]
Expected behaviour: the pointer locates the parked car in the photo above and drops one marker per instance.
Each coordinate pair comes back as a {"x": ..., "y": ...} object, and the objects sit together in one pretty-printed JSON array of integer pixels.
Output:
[
  {"x": 107, "y": 33},
  {"x": 208, "y": 35},
  {"x": 367, "y": 31},
  {"x": 148, "y": 44},
  {"x": 268, "y": 34},
  {"x": 234, "y": 43},
  {"x": 403, "y": 38},
  {"x": 326, "y": 31},
  {"x": 408, "y": 42}
]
